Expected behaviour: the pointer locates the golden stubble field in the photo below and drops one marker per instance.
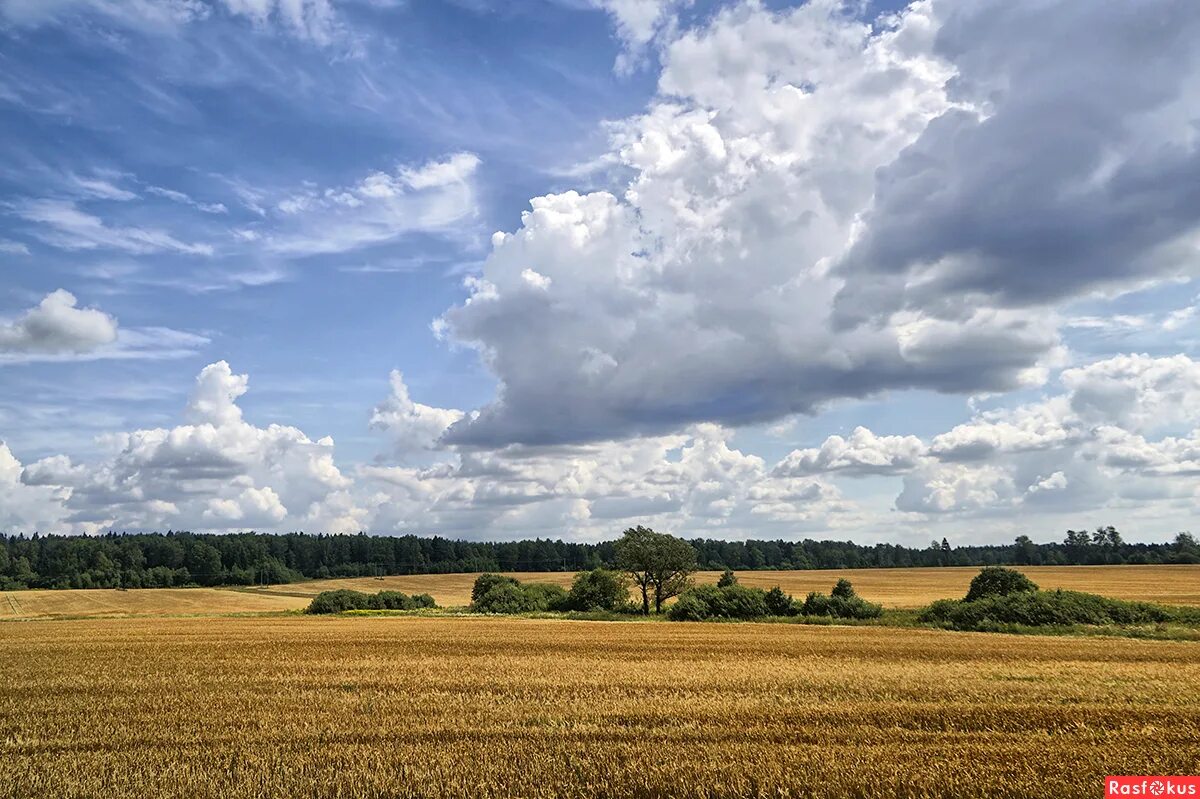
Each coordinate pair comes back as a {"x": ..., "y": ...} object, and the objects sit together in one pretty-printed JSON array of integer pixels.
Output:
[
  {"x": 475, "y": 707},
  {"x": 895, "y": 588}
]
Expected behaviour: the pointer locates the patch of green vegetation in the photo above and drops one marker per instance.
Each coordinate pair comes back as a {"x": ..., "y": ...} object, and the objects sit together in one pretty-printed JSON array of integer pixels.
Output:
[
  {"x": 344, "y": 600},
  {"x": 1004, "y": 600}
]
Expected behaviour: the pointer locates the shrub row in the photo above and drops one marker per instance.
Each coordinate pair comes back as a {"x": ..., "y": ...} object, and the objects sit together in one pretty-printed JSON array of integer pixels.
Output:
[
  {"x": 728, "y": 600},
  {"x": 999, "y": 597},
  {"x": 1049, "y": 609},
  {"x": 344, "y": 599},
  {"x": 596, "y": 590}
]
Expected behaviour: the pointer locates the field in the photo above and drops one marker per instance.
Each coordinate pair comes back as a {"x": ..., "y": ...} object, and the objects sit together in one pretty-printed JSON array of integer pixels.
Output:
[
  {"x": 472, "y": 707},
  {"x": 101, "y": 603},
  {"x": 895, "y": 588}
]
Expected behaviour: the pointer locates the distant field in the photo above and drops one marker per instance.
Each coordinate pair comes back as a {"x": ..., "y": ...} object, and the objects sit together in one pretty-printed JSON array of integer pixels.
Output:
[
  {"x": 468, "y": 707},
  {"x": 895, "y": 588},
  {"x": 138, "y": 602}
]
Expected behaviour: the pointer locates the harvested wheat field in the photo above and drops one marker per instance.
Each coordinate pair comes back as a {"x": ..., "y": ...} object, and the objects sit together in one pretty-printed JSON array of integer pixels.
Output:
[
  {"x": 138, "y": 602},
  {"x": 470, "y": 707},
  {"x": 894, "y": 588}
]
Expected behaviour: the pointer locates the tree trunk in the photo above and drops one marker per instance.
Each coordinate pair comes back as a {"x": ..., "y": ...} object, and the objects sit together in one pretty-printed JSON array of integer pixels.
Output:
[{"x": 645, "y": 601}]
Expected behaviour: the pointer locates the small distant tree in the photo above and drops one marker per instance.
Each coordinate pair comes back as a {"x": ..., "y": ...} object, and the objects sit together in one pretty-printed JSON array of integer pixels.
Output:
[
  {"x": 658, "y": 563},
  {"x": 1024, "y": 550},
  {"x": 843, "y": 589},
  {"x": 999, "y": 581},
  {"x": 727, "y": 579}
]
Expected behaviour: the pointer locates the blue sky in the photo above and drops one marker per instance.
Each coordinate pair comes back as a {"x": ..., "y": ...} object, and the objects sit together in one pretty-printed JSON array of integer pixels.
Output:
[{"x": 732, "y": 235}]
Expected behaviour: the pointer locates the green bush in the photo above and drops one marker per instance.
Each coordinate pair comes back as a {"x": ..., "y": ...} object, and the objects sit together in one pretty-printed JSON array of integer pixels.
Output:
[
  {"x": 495, "y": 593},
  {"x": 338, "y": 601},
  {"x": 710, "y": 602},
  {"x": 727, "y": 579},
  {"x": 342, "y": 600},
  {"x": 503, "y": 597},
  {"x": 842, "y": 603},
  {"x": 486, "y": 582},
  {"x": 843, "y": 589},
  {"x": 999, "y": 581},
  {"x": 598, "y": 589},
  {"x": 545, "y": 596},
  {"x": 1050, "y": 609},
  {"x": 779, "y": 603}
]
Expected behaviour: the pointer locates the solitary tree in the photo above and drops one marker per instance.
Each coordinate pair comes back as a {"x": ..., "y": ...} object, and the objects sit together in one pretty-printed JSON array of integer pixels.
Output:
[
  {"x": 657, "y": 562},
  {"x": 727, "y": 579}
]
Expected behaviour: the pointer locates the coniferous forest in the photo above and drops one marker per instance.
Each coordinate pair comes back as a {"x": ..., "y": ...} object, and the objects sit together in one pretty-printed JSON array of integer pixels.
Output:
[{"x": 151, "y": 560}]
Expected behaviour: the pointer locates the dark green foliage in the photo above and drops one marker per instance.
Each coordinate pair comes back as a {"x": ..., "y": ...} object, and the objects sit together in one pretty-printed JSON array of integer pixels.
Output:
[
  {"x": 342, "y": 600},
  {"x": 727, "y": 579},
  {"x": 658, "y": 563},
  {"x": 503, "y": 598},
  {"x": 842, "y": 603},
  {"x": 598, "y": 589},
  {"x": 545, "y": 596},
  {"x": 494, "y": 593},
  {"x": 710, "y": 602},
  {"x": 999, "y": 581},
  {"x": 779, "y": 603},
  {"x": 486, "y": 582},
  {"x": 1050, "y": 609},
  {"x": 173, "y": 559},
  {"x": 339, "y": 601}
]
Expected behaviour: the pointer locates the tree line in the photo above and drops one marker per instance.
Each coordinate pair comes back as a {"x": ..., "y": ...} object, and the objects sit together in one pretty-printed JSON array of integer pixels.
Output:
[{"x": 148, "y": 560}]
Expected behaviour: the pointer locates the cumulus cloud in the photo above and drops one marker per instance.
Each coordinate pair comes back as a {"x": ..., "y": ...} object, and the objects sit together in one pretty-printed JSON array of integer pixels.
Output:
[
  {"x": 1108, "y": 434},
  {"x": 704, "y": 292},
  {"x": 862, "y": 453},
  {"x": 638, "y": 23},
  {"x": 216, "y": 470},
  {"x": 57, "y": 325},
  {"x": 219, "y": 471},
  {"x": 1067, "y": 161},
  {"x": 411, "y": 425}
]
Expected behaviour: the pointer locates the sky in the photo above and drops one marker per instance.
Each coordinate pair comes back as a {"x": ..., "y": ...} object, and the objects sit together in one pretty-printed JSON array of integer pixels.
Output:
[{"x": 553, "y": 268}]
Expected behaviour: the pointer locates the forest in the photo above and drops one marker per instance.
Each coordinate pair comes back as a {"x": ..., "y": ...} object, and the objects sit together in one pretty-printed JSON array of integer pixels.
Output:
[{"x": 148, "y": 560}]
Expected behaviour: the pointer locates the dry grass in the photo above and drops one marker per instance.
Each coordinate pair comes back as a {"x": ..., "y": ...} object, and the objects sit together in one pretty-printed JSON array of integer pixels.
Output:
[
  {"x": 467, "y": 707},
  {"x": 138, "y": 602},
  {"x": 895, "y": 588}
]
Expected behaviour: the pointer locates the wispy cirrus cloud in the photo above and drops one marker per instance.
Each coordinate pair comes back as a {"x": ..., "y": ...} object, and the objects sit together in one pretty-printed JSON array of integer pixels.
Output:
[{"x": 63, "y": 224}]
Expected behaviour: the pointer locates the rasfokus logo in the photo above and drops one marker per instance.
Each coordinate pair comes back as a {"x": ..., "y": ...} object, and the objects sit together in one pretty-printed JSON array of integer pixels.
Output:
[{"x": 1151, "y": 786}]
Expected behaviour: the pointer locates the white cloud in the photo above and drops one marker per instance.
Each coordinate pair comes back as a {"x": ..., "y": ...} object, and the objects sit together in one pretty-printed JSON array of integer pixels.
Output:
[
  {"x": 218, "y": 470},
  {"x": 1083, "y": 449},
  {"x": 184, "y": 199},
  {"x": 705, "y": 291},
  {"x": 62, "y": 224},
  {"x": 13, "y": 247},
  {"x": 411, "y": 425},
  {"x": 638, "y": 23},
  {"x": 57, "y": 325},
  {"x": 863, "y": 453},
  {"x": 310, "y": 20},
  {"x": 458, "y": 168},
  {"x": 56, "y": 329},
  {"x": 436, "y": 197}
]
